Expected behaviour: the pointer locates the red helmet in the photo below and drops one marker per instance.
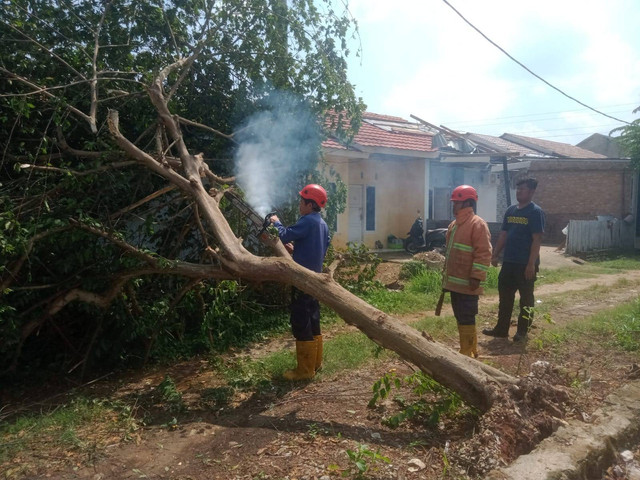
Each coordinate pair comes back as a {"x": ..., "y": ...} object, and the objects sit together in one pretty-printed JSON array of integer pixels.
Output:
[
  {"x": 464, "y": 192},
  {"x": 316, "y": 193}
]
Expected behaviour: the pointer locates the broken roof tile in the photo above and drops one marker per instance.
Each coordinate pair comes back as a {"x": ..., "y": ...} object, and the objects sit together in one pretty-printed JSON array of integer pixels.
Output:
[
  {"x": 551, "y": 148},
  {"x": 387, "y": 131}
]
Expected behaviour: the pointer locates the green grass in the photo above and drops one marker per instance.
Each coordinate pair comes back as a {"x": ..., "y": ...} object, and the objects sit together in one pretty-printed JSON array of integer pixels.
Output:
[
  {"x": 491, "y": 283},
  {"x": 567, "y": 274},
  {"x": 622, "y": 262},
  {"x": 420, "y": 293},
  {"x": 438, "y": 327},
  {"x": 343, "y": 352},
  {"x": 609, "y": 266},
  {"x": 617, "y": 328},
  {"x": 350, "y": 351},
  {"x": 422, "y": 289},
  {"x": 73, "y": 426}
]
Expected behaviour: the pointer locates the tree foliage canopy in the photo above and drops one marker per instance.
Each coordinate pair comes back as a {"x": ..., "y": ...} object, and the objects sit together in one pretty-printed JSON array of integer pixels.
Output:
[
  {"x": 629, "y": 140},
  {"x": 85, "y": 231}
]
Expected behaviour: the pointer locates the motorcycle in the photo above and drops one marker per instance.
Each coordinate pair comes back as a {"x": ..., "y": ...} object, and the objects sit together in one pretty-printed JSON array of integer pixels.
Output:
[{"x": 418, "y": 242}]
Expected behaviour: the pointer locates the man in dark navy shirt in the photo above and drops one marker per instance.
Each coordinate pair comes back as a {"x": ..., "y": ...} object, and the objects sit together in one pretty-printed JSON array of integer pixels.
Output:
[
  {"x": 310, "y": 236},
  {"x": 520, "y": 237}
]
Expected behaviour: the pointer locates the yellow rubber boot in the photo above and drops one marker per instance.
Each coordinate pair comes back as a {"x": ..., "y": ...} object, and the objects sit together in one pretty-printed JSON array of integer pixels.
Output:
[
  {"x": 468, "y": 340},
  {"x": 318, "y": 340},
  {"x": 306, "y": 354},
  {"x": 474, "y": 351}
]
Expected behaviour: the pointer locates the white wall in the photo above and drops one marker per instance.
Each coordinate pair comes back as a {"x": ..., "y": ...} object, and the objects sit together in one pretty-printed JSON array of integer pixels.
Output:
[
  {"x": 488, "y": 202},
  {"x": 450, "y": 175}
]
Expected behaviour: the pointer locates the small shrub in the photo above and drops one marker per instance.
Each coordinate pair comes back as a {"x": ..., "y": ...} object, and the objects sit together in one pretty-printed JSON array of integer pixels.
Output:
[
  {"x": 428, "y": 282},
  {"x": 627, "y": 329},
  {"x": 442, "y": 401},
  {"x": 492, "y": 278},
  {"x": 363, "y": 460},
  {"x": 357, "y": 269},
  {"x": 168, "y": 393},
  {"x": 411, "y": 269},
  {"x": 217, "y": 397}
]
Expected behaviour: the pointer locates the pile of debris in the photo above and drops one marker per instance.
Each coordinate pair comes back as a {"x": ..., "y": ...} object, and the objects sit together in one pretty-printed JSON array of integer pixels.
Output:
[
  {"x": 394, "y": 274},
  {"x": 432, "y": 259}
]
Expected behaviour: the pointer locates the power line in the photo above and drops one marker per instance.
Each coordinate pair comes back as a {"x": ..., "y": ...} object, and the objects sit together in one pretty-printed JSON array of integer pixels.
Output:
[
  {"x": 547, "y": 137},
  {"x": 480, "y": 124},
  {"x": 575, "y": 130},
  {"x": 527, "y": 69},
  {"x": 528, "y": 115},
  {"x": 585, "y": 128}
]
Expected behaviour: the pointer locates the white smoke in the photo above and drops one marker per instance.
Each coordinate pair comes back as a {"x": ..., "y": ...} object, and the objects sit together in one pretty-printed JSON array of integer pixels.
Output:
[{"x": 276, "y": 145}]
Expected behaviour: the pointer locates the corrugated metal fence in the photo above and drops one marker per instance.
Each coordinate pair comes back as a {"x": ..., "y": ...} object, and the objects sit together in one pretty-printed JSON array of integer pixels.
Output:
[{"x": 590, "y": 235}]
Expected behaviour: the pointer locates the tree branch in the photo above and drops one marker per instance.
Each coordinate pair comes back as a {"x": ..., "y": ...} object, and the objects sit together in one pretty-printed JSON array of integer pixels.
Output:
[
  {"x": 53, "y": 54},
  {"x": 146, "y": 199},
  {"x": 196, "y": 214},
  {"x": 14, "y": 270},
  {"x": 104, "y": 168},
  {"x": 143, "y": 157},
  {"x": 100, "y": 300},
  {"x": 206, "y": 172},
  {"x": 206, "y": 127},
  {"x": 189, "y": 164},
  {"x": 44, "y": 91},
  {"x": 183, "y": 75},
  {"x": 145, "y": 257},
  {"x": 159, "y": 265},
  {"x": 331, "y": 270},
  {"x": 93, "y": 109}
]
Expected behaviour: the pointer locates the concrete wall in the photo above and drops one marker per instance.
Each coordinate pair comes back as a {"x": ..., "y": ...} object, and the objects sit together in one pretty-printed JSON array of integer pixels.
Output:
[
  {"x": 400, "y": 194},
  {"x": 445, "y": 177},
  {"x": 568, "y": 189},
  {"x": 572, "y": 190},
  {"x": 578, "y": 190}
]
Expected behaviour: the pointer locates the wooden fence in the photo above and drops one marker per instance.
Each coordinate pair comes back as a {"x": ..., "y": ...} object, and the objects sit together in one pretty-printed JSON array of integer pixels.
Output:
[{"x": 591, "y": 235}]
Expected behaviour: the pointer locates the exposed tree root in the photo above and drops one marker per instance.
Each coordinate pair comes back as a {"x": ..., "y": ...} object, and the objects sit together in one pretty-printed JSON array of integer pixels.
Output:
[{"x": 522, "y": 415}]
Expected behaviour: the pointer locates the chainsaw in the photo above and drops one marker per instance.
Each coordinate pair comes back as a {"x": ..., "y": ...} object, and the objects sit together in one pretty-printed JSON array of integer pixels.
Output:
[{"x": 266, "y": 223}]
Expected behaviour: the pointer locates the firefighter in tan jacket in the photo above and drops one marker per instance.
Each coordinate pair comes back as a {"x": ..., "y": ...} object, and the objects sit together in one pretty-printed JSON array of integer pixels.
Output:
[{"x": 468, "y": 257}]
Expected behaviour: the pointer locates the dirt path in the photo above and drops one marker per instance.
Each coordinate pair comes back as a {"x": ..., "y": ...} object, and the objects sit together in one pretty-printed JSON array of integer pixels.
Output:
[
  {"x": 630, "y": 280},
  {"x": 389, "y": 274},
  {"x": 308, "y": 432}
]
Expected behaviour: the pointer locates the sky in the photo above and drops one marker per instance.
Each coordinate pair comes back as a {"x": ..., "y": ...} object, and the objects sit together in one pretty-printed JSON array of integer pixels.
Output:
[{"x": 418, "y": 57}]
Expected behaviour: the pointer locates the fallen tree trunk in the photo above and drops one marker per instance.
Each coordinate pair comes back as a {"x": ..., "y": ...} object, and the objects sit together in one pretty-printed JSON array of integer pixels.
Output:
[{"x": 475, "y": 382}]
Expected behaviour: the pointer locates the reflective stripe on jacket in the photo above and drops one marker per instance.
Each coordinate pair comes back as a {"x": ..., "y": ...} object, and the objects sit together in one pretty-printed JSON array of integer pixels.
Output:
[{"x": 468, "y": 252}]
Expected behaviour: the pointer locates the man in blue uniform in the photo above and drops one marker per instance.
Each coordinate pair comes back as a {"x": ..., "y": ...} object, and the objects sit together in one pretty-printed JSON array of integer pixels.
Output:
[
  {"x": 310, "y": 236},
  {"x": 521, "y": 236}
]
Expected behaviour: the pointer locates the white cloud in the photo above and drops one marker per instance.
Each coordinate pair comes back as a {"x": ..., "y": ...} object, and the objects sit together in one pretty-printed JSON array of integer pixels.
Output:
[
  {"x": 420, "y": 57},
  {"x": 449, "y": 93}
]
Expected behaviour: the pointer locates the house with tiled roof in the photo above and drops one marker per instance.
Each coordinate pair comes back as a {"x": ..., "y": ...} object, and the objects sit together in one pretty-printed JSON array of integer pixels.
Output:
[
  {"x": 573, "y": 183},
  {"x": 550, "y": 148},
  {"x": 396, "y": 170},
  {"x": 385, "y": 167}
]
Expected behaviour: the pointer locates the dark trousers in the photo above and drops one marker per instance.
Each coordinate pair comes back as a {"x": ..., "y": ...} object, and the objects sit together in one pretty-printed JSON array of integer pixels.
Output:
[
  {"x": 305, "y": 316},
  {"x": 510, "y": 281},
  {"x": 465, "y": 308}
]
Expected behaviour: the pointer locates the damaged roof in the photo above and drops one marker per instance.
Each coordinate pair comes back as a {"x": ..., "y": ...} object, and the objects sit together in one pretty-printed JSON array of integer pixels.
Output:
[
  {"x": 385, "y": 131},
  {"x": 502, "y": 145},
  {"x": 400, "y": 136},
  {"x": 550, "y": 148}
]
